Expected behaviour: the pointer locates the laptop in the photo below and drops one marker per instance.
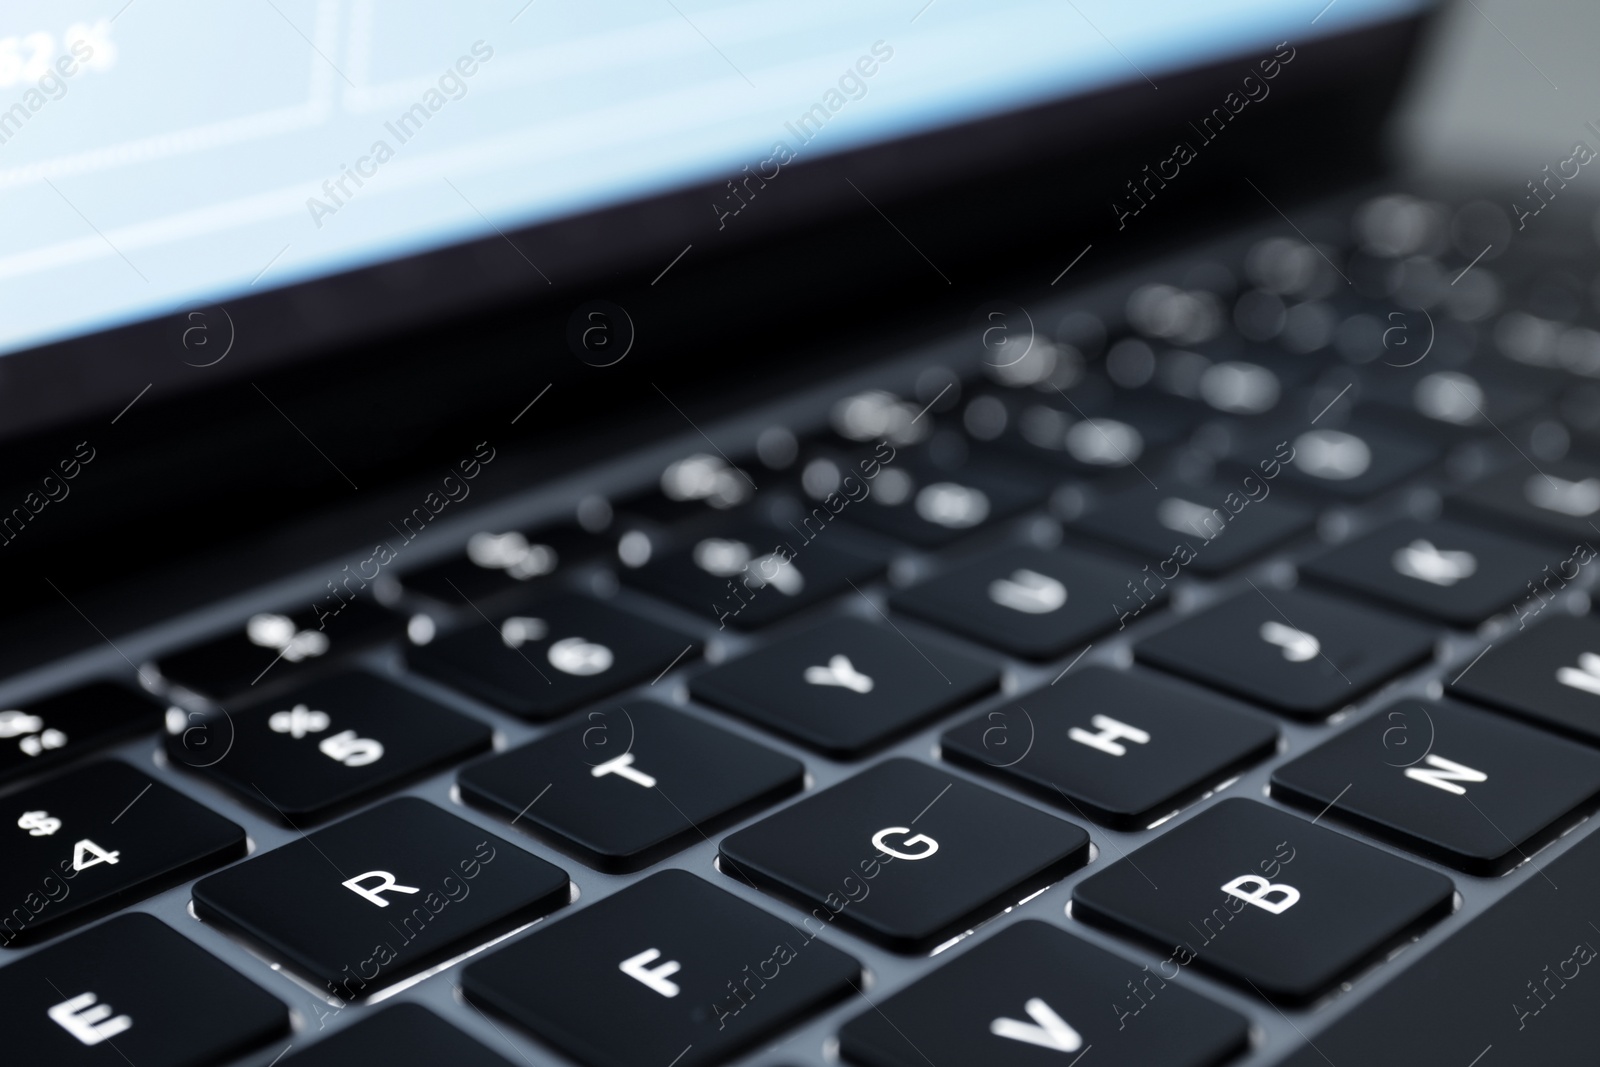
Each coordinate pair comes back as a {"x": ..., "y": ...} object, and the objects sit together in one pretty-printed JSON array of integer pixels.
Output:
[{"x": 727, "y": 532}]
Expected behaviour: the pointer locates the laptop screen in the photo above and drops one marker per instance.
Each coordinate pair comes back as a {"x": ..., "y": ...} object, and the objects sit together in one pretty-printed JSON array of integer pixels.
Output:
[{"x": 155, "y": 156}]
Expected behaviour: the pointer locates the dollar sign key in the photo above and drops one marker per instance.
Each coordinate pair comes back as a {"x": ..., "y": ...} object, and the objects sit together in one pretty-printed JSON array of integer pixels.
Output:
[{"x": 39, "y": 823}]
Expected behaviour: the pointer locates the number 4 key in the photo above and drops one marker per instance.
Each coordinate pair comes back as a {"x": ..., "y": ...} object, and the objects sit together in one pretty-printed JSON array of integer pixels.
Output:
[{"x": 130, "y": 836}]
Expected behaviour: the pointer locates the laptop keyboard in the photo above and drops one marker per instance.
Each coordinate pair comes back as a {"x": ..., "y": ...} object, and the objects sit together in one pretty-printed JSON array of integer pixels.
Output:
[{"x": 1203, "y": 677}]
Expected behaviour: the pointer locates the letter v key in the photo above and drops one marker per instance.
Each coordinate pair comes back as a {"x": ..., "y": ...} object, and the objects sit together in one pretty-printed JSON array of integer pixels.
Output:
[{"x": 1048, "y": 1030}]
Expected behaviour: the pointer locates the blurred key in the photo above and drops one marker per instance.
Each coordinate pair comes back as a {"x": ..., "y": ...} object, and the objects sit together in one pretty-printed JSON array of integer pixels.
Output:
[
  {"x": 1119, "y": 435},
  {"x": 1353, "y": 462},
  {"x": 561, "y": 652},
  {"x": 1207, "y": 531},
  {"x": 1559, "y": 500},
  {"x": 1444, "y": 570},
  {"x": 497, "y": 563},
  {"x": 929, "y": 502},
  {"x": 1301, "y": 653},
  {"x": 692, "y": 489},
  {"x": 1032, "y": 602},
  {"x": 272, "y": 648},
  {"x": 1548, "y": 674},
  {"x": 42, "y": 734},
  {"x": 747, "y": 575}
]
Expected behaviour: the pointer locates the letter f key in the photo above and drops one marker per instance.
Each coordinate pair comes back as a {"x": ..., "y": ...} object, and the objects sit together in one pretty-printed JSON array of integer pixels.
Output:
[{"x": 638, "y": 968}]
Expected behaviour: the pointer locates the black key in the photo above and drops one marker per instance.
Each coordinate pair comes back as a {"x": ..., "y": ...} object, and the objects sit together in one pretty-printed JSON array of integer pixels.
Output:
[
  {"x": 325, "y": 745},
  {"x": 1184, "y": 527},
  {"x": 1302, "y": 653},
  {"x": 1560, "y": 501},
  {"x": 930, "y": 855},
  {"x": 1097, "y": 438},
  {"x": 1033, "y": 992},
  {"x": 1446, "y": 571},
  {"x": 670, "y": 971},
  {"x": 1118, "y": 747},
  {"x": 626, "y": 786},
  {"x": 1032, "y": 602},
  {"x": 693, "y": 488},
  {"x": 1513, "y": 979},
  {"x": 271, "y": 647},
  {"x": 1548, "y": 674},
  {"x": 1453, "y": 404},
  {"x": 929, "y": 504},
  {"x": 48, "y": 732},
  {"x": 96, "y": 838},
  {"x": 1264, "y": 898},
  {"x": 1456, "y": 785},
  {"x": 131, "y": 990},
  {"x": 365, "y": 902},
  {"x": 496, "y": 563},
  {"x": 563, "y": 651},
  {"x": 403, "y": 1035},
  {"x": 845, "y": 686},
  {"x": 750, "y": 575},
  {"x": 1352, "y": 462}
]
